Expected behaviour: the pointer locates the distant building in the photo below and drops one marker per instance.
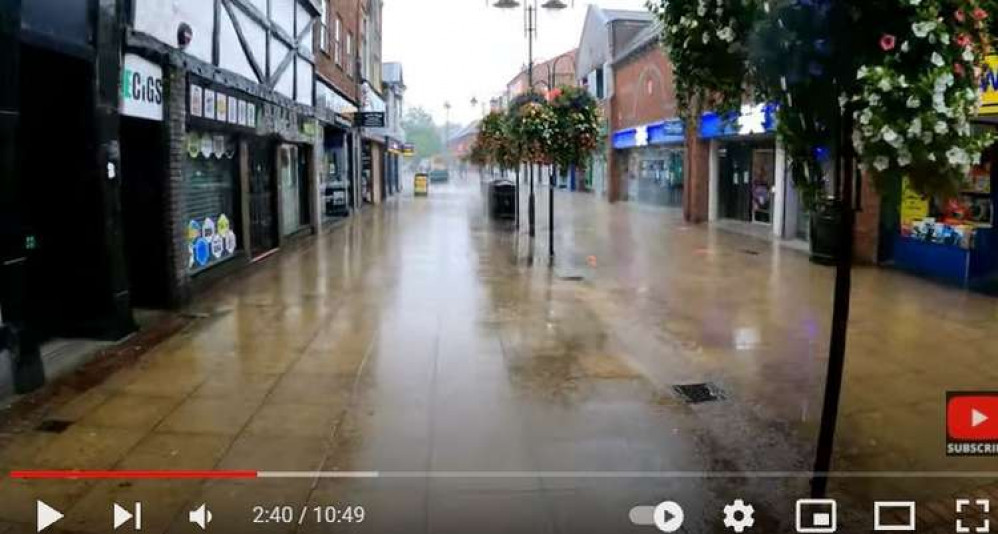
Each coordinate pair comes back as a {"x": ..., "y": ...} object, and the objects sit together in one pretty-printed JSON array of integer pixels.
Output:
[
  {"x": 563, "y": 67},
  {"x": 605, "y": 33}
]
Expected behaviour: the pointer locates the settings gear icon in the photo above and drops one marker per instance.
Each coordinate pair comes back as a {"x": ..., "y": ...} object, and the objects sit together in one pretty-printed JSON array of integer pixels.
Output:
[{"x": 738, "y": 516}]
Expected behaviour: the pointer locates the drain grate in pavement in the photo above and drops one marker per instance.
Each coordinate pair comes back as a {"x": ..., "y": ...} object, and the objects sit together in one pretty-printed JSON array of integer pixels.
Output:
[
  {"x": 697, "y": 393},
  {"x": 750, "y": 252},
  {"x": 572, "y": 278},
  {"x": 54, "y": 426}
]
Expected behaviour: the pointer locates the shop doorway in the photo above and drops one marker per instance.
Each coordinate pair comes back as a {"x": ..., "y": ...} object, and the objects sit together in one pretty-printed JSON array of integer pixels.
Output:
[
  {"x": 263, "y": 198},
  {"x": 735, "y": 165},
  {"x": 747, "y": 173},
  {"x": 143, "y": 178},
  {"x": 68, "y": 270}
]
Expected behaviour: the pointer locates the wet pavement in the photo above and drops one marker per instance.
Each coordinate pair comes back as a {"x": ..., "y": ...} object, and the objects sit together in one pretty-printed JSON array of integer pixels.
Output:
[{"x": 493, "y": 392}]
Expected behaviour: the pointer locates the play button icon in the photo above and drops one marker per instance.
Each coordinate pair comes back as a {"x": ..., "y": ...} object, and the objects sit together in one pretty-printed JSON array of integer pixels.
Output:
[
  {"x": 977, "y": 418},
  {"x": 45, "y": 516},
  {"x": 668, "y": 516}
]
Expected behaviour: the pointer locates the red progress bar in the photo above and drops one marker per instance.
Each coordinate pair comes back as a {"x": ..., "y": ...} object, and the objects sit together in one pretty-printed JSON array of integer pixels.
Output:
[{"x": 132, "y": 475}]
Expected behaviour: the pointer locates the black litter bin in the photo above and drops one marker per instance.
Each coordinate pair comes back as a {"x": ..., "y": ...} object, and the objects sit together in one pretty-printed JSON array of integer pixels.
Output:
[{"x": 502, "y": 199}]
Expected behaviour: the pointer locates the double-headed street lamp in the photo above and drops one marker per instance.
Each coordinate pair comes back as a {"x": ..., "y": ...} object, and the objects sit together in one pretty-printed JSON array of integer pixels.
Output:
[{"x": 530, "y": 9}]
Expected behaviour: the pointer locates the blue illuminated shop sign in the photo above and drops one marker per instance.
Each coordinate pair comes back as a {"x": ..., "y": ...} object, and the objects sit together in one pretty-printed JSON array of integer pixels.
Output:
[
  {"x": 754, "y": 119},
  {"x": 658, "y": 133}
]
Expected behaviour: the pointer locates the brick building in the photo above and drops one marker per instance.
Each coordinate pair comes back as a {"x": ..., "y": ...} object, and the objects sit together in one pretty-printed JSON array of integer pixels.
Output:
[
  {"x": 562, "y": 67},
  {"x": 337, "y": 100},
  {"x": 646, "y": 161},
  {"x": 604, "y": 34}
]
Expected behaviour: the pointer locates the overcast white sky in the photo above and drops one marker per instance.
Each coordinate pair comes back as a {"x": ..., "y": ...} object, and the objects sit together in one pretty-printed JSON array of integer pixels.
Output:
[{"x": 452, "y": 50}]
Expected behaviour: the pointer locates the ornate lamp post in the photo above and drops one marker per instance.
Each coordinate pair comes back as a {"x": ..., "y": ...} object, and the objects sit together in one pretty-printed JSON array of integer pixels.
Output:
[
  {"x": 447, "y": 135},
  {"x": 530, "y": 9},
  {"x": 552, "y": 75}
]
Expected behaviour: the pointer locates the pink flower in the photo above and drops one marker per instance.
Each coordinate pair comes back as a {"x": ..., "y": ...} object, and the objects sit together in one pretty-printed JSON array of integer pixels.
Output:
[
  {"x": 958, "y": 70},
  {"x": 963, "y": 40},
  {"x": 887, "y": 42},
  {"x": 979, "y": 14},
  {"x": 959, "y": 15},
  {"x": 555, "y": 93}
]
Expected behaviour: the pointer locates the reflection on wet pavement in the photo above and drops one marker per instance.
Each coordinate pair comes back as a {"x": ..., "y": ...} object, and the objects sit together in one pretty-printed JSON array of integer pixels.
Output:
[{"x": 420, "y": 338}]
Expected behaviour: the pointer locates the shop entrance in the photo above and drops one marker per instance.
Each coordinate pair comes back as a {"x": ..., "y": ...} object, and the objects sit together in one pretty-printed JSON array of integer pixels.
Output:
[
  {"x": 263, "y": 198},
  {"x": 747, "y": 171},
  {"x": 68, "y": 268},
  {"x": 143, "y": 178}
]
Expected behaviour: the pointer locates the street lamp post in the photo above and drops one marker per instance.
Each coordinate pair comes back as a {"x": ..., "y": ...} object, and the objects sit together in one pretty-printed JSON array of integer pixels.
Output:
[{"x": 530, "y": 9}]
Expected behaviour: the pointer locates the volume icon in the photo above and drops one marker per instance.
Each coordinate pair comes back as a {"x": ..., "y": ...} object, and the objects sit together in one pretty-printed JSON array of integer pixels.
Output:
[{"x": 200, "y": 517}]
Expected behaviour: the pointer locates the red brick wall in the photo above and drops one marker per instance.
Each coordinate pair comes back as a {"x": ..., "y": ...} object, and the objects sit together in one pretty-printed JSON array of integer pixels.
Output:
[
  {"x": 342, "y": 75},
  {"x": 643, "y": 89},
  {"x": 642, "y": 93},
  {"x": 867, "y": 230}
]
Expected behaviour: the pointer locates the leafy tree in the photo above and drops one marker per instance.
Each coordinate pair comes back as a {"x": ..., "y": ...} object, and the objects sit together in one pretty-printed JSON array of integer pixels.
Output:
[{"x": 421, "y": 131}]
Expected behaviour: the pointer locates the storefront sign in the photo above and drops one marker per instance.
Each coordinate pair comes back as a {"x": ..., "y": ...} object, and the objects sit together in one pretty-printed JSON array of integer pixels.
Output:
[
  {"x": 989, "y": 86},
  {"x": 141, "y": 88},
  {"x": 666, "y": 132},
  {"x": 752, "y": 120},
  {"x": 370, "y": 119},
  {"x": 327, "y": 98},
  {"x": 409, "y": 150}
]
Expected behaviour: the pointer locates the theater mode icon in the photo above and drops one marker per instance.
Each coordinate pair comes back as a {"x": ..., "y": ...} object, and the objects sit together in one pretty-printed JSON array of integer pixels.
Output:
[{"x": 972, "y": 424}]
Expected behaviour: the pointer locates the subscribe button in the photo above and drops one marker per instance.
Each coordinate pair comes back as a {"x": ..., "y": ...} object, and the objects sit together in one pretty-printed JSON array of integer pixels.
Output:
[{"x": 972, "y": 424}]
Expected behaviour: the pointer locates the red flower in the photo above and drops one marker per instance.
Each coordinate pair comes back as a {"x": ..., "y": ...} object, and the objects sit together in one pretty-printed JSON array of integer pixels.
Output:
[
  {"x": 958, "y": 70},
  {"x": 959, "y": 15},
  {"x": 555, "y": 93},
  {"x": 980, "y": 14},
  {"x": 963, "y": 40},
  {"x": 887, "y": 42}
]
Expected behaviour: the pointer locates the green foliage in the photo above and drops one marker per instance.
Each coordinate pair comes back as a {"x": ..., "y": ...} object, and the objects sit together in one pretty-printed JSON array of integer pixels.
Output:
[
  {"x": 707, "y": 41},
  {"x": 576, "y": 127},
  {"x": 421, "y": 131},
  {"x": 903, "y": 72}
]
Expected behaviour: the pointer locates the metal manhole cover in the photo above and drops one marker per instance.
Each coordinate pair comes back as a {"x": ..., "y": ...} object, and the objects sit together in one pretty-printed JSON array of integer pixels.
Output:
[
  {"x": 697, "y": 393},
  {"x": 54, "y": 426}
]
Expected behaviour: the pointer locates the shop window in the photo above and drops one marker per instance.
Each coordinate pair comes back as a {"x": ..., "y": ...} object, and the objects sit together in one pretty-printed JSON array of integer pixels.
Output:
[
  {"x": 950, "y": 221},
  {"x": 211, "y": 207}
]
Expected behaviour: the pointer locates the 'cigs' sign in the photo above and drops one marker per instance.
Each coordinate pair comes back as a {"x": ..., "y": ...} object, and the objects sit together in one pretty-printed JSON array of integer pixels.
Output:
[{"x": 141, "y": 88}]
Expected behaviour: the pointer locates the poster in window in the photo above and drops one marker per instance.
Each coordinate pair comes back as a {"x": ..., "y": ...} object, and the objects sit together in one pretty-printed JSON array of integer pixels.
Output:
[
  {"x": 206, "y": 145},
  {"x": 221, "y": 107},
  {"x": 193, "y": 144},
  {"x": 209, "y": 104},
  {"x": 914, "y": 207},
  {"x": 243, "y": 120},
  {"x": 233, "y": 111},
  {"x": 251, "y": 115},
  {"x": 196, "y": 102}
]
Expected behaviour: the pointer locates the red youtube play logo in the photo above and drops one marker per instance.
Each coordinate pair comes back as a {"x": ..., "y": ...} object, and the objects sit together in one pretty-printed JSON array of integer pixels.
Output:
[{"x": 972, "y": 423}]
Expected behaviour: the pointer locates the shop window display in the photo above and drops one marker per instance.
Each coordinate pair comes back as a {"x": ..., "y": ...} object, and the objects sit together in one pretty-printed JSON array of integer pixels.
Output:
[
  {"x": 211, "y": 206},
  {"x": 954, "y": 221}
]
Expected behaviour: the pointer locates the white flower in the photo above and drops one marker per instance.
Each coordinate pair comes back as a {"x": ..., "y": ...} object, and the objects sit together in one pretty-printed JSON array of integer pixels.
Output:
[
  {"x": 885, "y": 85},
  {"x": 937, "y": 60},
  {"x": 726, "y": 34},
  {"x": 968, "y": 54},
  {"x": 921, "y": 29},
  {"x": 874, "y": 99},
  {"x": 902, "y": 81},
  {"x": 706, "y": 37},
  {"x": 914, "y": 102},
  {"x": 926, "y": 137},
  {"x": 864, "y": 118},
  {"x": 940, "y": 127},
  {"x": 914, "y": 2},
  {"x": 915, "y": 129},
  {"x": 957, "y": 156},
  {"x": 904, "y": 158},
  {"x": 862, "y": 72},
  {"x": 931, "y": 157},
  {"x": 881, "y": 163},
  {"x": 890, "y": 136},
  {"x": 702, "y": 10},
  {"x": 905, "y": 46}
]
